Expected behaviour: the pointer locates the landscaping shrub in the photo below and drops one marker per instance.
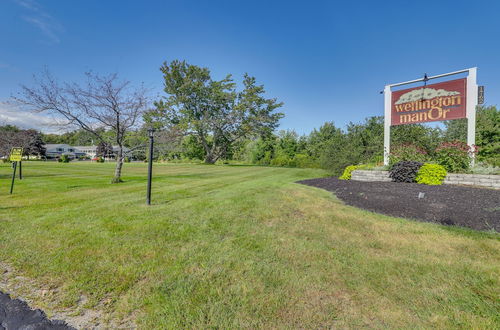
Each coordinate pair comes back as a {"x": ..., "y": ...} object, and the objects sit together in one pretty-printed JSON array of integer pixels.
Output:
[
  {"x": 304, "y": 161},
  {"x": 281, "y": 160},
  {"x": 407, "y": 152},
  {"x": 404, "y": 171},
  {"x": 454, "y": 156},
  {"x": 348, "y": 172},
  {"x": 485, "y": 169},
  {"x": 266, "y": 160},
  {"x": 64, "y": 159},
  {"x": 100, "y": 160},
  {"x": 493, "y": 161},
  {"x": 431, "y": 174}
]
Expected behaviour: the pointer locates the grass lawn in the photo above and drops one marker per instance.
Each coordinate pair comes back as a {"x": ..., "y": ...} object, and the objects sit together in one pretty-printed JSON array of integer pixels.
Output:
[{"x": 236, "y": 247}]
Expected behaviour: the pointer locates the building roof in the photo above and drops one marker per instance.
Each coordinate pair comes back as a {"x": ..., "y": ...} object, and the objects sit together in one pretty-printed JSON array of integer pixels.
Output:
[
  {"x": 85, "y": 147},
  {"x": 56, "y": 145}
]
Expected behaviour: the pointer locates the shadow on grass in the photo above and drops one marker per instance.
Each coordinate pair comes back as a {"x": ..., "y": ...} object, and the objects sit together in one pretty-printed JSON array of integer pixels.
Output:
[
  {"x": 9, "y": 207},
  {"x": 470, "y": 233}
]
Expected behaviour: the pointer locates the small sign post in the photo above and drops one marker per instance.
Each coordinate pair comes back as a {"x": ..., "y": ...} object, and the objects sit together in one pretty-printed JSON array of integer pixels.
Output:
[
  {"x": 150, "y": 166},
  {"x": 15, "y": 157},
  {"x": 480, "y": 95}
]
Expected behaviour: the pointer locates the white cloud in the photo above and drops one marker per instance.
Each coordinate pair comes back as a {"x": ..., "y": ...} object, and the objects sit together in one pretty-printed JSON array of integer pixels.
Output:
[
  {"x": 11, "y": 115},
  {"x": 37, "y": 17},
  {"x": 28, "y": 4},
  {"x": 424, "y": 94}
]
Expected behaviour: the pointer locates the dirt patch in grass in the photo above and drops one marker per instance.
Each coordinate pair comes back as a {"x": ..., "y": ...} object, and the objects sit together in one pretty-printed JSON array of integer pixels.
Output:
[{"x": 450, "y": 205}]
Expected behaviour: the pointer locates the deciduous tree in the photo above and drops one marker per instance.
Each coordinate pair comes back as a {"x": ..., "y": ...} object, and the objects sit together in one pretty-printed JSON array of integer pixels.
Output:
[{"x": 213, "y": 110}]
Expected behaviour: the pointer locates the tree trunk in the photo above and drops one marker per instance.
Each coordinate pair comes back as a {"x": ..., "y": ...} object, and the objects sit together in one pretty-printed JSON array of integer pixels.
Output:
[
  {"x": 118, "y": 169},
  {"x": 210, "y": 158}
]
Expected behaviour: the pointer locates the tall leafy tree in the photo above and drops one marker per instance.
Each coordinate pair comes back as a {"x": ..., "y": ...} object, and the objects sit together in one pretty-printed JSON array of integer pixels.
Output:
[
  {"x": 30, "y": 140},
  {"x": 320, "y": 138},
  {"x": 32, "y": 143},
  {"x": 212, "y": 110},
  {"x": 488, "y": 134}
]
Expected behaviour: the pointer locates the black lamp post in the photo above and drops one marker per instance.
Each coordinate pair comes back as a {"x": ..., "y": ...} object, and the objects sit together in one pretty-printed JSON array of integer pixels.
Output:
[{"x": 150, "y": 165}]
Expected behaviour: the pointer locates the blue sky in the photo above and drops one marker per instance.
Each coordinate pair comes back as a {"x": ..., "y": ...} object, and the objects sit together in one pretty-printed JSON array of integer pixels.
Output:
[{"x": 326, "y": 60}]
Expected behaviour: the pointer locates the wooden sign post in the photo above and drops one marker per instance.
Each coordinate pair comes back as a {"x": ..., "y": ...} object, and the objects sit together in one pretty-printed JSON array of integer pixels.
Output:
[{"x": 16, "y": 156}]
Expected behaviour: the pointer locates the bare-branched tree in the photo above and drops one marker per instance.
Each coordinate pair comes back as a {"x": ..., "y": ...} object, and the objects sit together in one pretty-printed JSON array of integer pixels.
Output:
[{"x": 105, "y": 106}]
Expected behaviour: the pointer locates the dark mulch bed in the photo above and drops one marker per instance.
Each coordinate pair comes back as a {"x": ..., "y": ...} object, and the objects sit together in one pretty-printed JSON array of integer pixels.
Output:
[
  {"x": 16, "y": 314},
  {"x": 476, "y": 208}
]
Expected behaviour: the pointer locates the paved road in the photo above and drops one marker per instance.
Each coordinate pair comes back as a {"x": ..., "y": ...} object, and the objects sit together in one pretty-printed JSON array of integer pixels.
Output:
[{"x": 17, "y": 315}]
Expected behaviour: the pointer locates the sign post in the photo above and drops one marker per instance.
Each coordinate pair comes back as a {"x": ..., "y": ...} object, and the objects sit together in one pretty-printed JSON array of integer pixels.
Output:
[
  {"x": 15, "y": 157},
  {"x": 452, "y": 99},
  {"x": 480, "y": 96},
  {"x": 150, "y": 166}
]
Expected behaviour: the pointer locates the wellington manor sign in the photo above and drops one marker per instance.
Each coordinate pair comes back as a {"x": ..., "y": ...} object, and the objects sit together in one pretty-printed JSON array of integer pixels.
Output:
[
  {"x": 436, "y": 102},
  {"x": 451, "y": 99}
]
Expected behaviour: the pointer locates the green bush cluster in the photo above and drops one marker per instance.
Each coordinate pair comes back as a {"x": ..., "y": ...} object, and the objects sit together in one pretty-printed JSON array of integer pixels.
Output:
[
  {"x": 281, "y": 160},
  {"x": 407, "y": 153},
  {"x": 64, "y": 159},
  {"x": 431, "y": 174},
  {"x": 348, "y": 172},
  {"x": 454, "y": 156},
  {"x": 299, "y": 160},
  {"x": 428, "y": 173}
]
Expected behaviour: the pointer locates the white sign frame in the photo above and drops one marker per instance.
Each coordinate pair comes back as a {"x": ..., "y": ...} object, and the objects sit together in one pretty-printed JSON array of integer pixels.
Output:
[{"x": 470, "y": 108}]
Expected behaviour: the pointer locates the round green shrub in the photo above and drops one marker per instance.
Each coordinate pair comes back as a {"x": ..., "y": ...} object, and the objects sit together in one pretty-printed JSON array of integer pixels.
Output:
[
  {"x": 304, "y": 161},
  {"x": 431, "y": 174},
  {"x": 280, "y": 160},
  {"x": 348, "y": 172},
  {"x": 64, "y": 159}
]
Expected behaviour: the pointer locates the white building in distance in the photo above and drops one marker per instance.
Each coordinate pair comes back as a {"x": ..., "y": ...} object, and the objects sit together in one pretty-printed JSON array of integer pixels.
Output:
[{"x": 57, "y": 150}]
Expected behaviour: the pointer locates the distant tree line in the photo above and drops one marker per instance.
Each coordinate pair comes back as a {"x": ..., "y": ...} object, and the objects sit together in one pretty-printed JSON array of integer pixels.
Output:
[
  {"x": 334, "y": 148},
  {"x": 328, "y": 147},
  {"x": 203, "y": 119}
]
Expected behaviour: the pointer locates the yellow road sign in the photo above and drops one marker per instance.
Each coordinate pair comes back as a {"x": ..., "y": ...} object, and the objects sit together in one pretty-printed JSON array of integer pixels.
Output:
[{"x": 16, "y": 154}]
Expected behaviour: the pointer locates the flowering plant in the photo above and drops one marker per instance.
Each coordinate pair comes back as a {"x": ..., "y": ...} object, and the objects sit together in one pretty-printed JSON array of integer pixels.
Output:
[
  {"x": 407, "y": 152},
  {"x": 455, "y": 156}
]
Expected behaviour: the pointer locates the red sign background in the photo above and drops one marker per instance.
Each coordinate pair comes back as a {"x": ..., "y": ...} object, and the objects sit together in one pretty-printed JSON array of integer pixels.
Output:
[{"x": 440, "y": 101}]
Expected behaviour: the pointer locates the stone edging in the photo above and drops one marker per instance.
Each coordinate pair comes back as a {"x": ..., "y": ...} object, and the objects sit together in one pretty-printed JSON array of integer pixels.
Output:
[{"x": 490, "y": 181}]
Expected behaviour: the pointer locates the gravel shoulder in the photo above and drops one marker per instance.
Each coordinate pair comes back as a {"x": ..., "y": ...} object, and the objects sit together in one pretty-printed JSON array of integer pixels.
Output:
[{"x": 475, "y": 208}]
